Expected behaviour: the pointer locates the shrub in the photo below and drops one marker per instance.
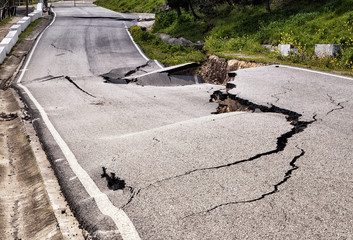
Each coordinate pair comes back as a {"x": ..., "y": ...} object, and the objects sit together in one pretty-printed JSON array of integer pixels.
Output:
[
  {"x": 168, "y": 54},
  {"x": 164, "y": 20},
  {"x": 347, "y": 57}
]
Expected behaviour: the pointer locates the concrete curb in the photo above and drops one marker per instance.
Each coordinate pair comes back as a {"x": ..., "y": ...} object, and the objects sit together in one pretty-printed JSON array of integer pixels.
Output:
[
  {"x": 7, "y": 43},
  {"x": 15, "y": 30},
  {"x": 2, "y": 54}
]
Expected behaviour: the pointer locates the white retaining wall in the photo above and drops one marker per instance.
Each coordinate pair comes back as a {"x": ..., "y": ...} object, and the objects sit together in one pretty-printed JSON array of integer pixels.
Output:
[
  {"x": 7, "y": 43},
  {"x": 2, "y": 54},
  {"x": 16, "y": 28},
  {"x": 12, "y": 37}
]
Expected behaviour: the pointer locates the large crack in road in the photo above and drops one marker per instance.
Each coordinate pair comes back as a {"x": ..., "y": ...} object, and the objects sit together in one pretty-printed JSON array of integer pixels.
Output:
[
  {"x": 282, "y": 141},
  {"x": 78, "y": 87}
]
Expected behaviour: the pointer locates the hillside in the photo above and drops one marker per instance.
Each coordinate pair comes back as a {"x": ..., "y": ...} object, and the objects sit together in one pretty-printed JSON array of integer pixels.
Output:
[
  {"x": 241, "y": 30},
  {"x": 148, "y": 6}
]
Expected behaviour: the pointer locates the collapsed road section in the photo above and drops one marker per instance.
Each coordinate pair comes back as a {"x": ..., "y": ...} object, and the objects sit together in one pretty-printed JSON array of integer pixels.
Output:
[{"x": 145, "y": 74}]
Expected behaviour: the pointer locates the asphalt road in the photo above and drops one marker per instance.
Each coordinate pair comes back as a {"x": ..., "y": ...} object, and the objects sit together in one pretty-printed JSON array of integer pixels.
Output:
[{"x": 179, "y": 171}]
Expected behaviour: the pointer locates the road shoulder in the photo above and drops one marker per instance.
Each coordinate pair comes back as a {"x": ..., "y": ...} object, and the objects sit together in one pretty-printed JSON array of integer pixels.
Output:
[{"x": 32, "y": 205}]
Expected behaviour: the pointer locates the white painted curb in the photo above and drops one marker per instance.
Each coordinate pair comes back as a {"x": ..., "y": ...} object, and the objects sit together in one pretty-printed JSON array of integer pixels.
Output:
[
  {"x": 32, "y": 16},
  {"x": 24, "y": 24},
  {"x": 7, "y": 44},
  {"x": 121, "y": 220},
  {"x": 15, "y": 30},
  {"x": 2, "y": 54},
  {"x": 14, "y": 36}
]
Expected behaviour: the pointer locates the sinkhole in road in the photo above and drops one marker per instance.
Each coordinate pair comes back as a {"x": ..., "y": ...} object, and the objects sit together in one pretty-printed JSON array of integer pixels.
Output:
[
  {"x": 231, "y": 103},
  {"x": 113, "y": 183}
]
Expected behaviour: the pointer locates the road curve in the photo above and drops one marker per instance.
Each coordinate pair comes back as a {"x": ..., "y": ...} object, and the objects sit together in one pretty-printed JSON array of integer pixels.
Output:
[{"x": 154, "y": 162}]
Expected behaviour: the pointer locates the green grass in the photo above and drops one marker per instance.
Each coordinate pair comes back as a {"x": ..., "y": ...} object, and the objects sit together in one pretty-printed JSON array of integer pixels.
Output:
[
  {"x": 243, "y": 29},
  {"x": 130, "y": 6},
  {"x": 168, "y": 54},
  {"x": 5, "y": 21},
  {"x": 23, "y": 35},
  {"x": 28, "y": 30}
]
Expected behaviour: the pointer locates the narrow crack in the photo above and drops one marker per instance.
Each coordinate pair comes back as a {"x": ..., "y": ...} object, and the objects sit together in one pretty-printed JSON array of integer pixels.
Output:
[
  {"x": 64, "y": 49},
  {"x": 286, "y": 177},
  {"x": 292, "y": 117},
  {"x": 48, "y": 78},
  {"x": 78, "y": 87},
  {"x": 282, "y": 93},
  {"x": 339, "y": 105},
  {"x": 132, "y": 196},
  {"x": 129, "y": 73},
  {"x": 282, "y": 141}
]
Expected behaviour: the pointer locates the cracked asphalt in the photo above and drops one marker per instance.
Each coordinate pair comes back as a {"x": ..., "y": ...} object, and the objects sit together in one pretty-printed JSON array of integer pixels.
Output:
[{"x": 283, "y": 171}]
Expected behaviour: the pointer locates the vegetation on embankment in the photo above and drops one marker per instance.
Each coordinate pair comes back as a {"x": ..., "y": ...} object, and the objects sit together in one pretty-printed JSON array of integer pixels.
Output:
[
  {"x": 5, "y": 21},
  {"x": 240, "y": 30},
  {"x": 169, "y": 54},
  {"x": 148, "y": 6}
]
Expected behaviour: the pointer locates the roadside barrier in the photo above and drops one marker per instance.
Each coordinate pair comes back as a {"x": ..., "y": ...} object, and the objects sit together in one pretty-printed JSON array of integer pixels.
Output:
[{"x": 15, "y": 30}]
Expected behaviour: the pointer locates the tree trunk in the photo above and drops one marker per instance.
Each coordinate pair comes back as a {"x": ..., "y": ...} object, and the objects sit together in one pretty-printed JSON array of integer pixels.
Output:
[
  {"x": 230, "y": 3},
  {"x": 178, "y": 11},
  {"x": 192, "y": 10},
  {"x": 268, "y": 7}
]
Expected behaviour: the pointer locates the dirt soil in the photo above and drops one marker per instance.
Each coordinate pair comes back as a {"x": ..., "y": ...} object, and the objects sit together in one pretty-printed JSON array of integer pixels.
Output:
[
  {"x": 25, "y": 211},
  {"x": 215, "y": 69},
  {"x": 31, "y": 203}
]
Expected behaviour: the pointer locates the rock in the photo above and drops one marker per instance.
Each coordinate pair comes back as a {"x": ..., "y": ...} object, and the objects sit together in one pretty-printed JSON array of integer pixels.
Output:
[
  {"x": 270, "y": 47},
  {"x": 163, "y": 36},
  {"x": 179, "y": 41},
  {"x": 322, "y": 50}
]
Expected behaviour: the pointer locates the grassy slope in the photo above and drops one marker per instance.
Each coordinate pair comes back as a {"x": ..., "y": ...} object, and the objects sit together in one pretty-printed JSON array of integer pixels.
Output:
[
  {"x": 305, "y": 22},
  {"x": 242, "y": 30},
  {"x": 130, "y": 5},
  {"x": 168, "y": 54},
  {"x": 5, "y": 21}
]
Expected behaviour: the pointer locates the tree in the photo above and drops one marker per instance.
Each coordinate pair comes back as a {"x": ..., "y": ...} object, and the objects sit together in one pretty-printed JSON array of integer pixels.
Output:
[{"x": 187, "y": 5}]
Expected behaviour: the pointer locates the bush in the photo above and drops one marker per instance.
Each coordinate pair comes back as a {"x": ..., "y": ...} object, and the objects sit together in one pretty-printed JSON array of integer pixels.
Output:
[
  {"x": 164, "y": 20},
  {"x": 168, "y": 54},
  {"x": 347, "y": 57}
]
